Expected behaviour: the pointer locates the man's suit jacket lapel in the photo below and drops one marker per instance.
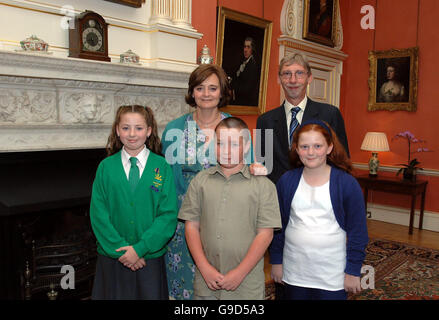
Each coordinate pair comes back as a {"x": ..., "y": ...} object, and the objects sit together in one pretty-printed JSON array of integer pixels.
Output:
[
  {"x": 280, "y": 127},
  {"x": 310, "y": 111}
]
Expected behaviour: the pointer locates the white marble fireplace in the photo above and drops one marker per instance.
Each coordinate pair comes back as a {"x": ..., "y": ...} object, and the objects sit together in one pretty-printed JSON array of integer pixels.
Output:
[
  {"x": 56, "y": 112},
  {"x": 51, "y": 103}
]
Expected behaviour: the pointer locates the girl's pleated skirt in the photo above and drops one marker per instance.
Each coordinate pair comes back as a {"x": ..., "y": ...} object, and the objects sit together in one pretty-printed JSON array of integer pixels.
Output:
[{"x": 114, "y": 281}]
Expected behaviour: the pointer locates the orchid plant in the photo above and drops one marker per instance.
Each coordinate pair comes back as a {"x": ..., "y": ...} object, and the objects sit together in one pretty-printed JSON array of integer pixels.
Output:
[{"x": 410, "y": 168}]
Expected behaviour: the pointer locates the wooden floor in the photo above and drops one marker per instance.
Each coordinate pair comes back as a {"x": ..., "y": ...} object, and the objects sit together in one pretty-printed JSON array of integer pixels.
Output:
[
  {"x": 395, "y": 232},
  {"x": 389, "y": 231}
]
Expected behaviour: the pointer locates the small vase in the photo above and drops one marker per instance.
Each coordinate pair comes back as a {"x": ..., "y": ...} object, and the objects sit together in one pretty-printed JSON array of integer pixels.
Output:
[
  {"x": 205, "y": 57},
  {"x": 374, "y": 164}
]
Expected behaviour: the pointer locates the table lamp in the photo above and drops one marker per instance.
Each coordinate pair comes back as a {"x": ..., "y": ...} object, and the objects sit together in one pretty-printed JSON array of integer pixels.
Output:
[{"x": 374, "y": 141}]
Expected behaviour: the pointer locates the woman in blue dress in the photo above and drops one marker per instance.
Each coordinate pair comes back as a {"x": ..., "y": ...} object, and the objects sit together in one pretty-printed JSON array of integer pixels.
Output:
[{"x": 187, "y": 148}]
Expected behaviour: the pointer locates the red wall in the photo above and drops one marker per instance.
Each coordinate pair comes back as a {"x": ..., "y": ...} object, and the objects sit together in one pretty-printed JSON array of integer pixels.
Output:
[{"x": 399, "y": 24}]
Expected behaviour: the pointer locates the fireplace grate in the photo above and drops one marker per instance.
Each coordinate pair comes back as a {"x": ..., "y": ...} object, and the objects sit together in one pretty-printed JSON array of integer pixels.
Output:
[{"x": 69, "y": 255}]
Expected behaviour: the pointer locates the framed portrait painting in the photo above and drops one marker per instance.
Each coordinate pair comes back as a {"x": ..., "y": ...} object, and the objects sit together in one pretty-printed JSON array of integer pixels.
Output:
[
  {"x": 393, "y": 79},
  {"x": 320, "y": 21},
  {"x": 243, "y": 51}
]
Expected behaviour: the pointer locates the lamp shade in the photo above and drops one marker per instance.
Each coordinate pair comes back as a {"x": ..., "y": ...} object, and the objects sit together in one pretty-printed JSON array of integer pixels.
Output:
[{"x": 375, "y": 141}]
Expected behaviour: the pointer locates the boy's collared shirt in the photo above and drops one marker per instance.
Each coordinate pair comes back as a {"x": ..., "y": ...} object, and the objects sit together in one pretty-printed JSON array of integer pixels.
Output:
[{"x": 230, "y": 211}]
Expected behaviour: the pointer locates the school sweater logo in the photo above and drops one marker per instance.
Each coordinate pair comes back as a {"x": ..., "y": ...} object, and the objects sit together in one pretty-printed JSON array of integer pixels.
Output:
[{"x": 157, "y": 182}]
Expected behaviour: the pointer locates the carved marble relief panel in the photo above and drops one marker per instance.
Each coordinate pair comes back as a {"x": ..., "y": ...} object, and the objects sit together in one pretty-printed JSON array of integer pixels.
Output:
[
  {"x": 26, "y": 106},
  {"x": 55, "y": 111},
  {"x": 86, "y": 108},
  {"x": 165, "y": 108}
]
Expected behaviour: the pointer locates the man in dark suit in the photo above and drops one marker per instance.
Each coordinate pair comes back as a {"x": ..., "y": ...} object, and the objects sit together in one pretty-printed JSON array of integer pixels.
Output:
[
  {"x": 245, "y": 82},
  {"x": 294, "y": 76}
]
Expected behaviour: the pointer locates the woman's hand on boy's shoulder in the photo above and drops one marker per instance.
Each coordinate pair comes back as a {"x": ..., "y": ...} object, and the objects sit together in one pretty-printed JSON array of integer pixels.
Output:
[{"x": 258, "y": 169}]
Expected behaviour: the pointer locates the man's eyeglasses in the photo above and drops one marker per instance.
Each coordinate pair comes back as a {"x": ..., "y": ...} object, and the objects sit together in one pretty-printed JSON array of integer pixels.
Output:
[{"x": 299, "y": 74}]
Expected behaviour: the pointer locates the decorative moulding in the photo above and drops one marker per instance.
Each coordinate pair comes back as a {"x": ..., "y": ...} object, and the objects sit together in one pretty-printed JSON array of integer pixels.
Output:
[
  {"x": 291, "y": 19},
  {"x": 131, "y": 3},
  {"x": 401, "y": 216},
  {"x": 81, "y": 116},
  {"x": 389, "y": 168},
  {"x": 313, "y": 48},
  {"x": 185, "y": 30},
  {"x": 18, "y": 64}
]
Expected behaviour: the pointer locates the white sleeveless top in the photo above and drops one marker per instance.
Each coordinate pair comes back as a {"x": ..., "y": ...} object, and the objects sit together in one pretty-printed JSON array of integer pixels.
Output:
[{"x": 314, "y": 253}]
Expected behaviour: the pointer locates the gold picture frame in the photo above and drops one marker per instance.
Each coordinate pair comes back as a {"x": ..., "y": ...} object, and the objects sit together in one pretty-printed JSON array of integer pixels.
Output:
[
  {"x": 320, "y": 21},
  {"x": 393, "y": 79},
  {"x": 130, "y": 3},
  {"x": 248, "y": 76}
]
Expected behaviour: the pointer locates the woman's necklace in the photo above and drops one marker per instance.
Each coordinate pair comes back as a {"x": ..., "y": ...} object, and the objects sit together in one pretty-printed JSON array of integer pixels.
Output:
[{"x": 205, "y": 124}]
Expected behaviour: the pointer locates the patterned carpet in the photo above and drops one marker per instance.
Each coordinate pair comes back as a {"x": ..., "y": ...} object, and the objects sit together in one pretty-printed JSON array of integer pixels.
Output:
[
  {"x": 269, "y": 291},
  {"x": 402, "y": 272}
]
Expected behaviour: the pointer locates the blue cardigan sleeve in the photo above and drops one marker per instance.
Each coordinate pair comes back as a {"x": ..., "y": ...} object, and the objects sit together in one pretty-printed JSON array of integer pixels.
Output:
[
  {"x": 277, "y": 245},
  {"x": 355, "y": 226}
]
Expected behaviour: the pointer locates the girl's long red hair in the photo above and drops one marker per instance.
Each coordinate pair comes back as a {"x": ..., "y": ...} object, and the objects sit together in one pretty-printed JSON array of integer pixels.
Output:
[{"x": 338, "y": 156}]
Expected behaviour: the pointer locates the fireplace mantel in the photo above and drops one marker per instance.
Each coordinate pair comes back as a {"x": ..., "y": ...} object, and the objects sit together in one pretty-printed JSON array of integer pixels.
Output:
[
  {"x": 48, "y": 67},
  {"x": 54, "y": 103}
]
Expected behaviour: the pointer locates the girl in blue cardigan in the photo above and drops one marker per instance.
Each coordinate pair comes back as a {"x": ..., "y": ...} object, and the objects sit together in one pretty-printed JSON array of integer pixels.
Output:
[{"x": 320, "y": 250}]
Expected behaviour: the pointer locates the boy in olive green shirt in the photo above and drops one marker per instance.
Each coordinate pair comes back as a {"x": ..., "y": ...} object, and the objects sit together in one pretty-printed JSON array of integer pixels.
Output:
[{"x": 230, "y": 215}]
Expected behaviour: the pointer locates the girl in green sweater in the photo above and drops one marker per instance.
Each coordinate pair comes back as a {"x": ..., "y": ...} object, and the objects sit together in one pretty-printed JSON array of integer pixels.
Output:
[{"x": 133, "y": 210}]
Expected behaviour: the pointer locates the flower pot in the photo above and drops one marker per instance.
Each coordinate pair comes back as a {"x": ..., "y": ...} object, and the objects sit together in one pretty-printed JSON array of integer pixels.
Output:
[{"x": 409, "y": 174}]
